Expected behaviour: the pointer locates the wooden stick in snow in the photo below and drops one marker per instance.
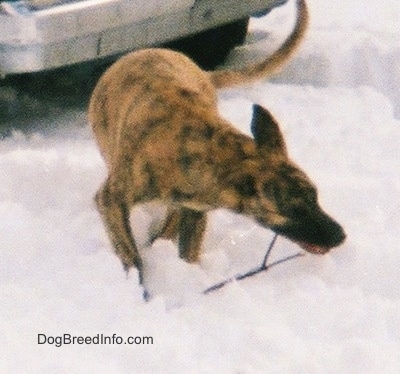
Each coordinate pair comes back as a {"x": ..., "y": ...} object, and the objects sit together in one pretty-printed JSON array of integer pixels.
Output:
[{"x": 264, "y": 267}]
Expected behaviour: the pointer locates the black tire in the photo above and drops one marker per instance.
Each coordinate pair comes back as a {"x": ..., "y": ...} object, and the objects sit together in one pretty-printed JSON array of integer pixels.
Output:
[{"x": 210, "y": 48}]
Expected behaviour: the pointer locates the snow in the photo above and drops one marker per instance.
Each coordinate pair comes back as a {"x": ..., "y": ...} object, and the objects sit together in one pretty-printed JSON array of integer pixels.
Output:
[{"x": 339, "y": 105}]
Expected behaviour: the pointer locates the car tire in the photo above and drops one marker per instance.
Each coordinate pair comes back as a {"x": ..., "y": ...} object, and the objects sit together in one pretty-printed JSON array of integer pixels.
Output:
[{"x": 210, "y": 48}]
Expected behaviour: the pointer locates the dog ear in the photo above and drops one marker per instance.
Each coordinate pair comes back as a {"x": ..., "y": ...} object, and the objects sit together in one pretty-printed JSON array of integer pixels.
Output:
[{"x": 266, "y": 132}]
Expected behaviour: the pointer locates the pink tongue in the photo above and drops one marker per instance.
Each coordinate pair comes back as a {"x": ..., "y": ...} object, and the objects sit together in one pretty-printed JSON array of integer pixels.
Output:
[{"x": 312, "y": 248}]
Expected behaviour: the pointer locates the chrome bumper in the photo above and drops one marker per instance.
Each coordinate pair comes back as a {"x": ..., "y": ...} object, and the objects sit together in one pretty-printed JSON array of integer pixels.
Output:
[{"x": 42, "y": 34}]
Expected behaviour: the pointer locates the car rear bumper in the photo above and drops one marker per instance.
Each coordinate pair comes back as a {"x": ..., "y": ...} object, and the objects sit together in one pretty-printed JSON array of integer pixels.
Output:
[{"x": 40, "y": 35}]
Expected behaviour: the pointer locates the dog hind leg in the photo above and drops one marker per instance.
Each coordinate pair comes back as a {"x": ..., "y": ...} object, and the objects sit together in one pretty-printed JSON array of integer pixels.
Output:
[
  {"x": 192, "y": 225},
  {"x": 170, "y": 227}
]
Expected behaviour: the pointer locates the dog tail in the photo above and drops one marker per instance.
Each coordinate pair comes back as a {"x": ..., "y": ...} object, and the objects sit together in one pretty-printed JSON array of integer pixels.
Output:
[{"x": 271, "y": 65}]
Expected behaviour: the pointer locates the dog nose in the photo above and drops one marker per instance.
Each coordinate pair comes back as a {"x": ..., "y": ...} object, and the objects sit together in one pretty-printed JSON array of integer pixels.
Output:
[{"x": 338, "y": 235}]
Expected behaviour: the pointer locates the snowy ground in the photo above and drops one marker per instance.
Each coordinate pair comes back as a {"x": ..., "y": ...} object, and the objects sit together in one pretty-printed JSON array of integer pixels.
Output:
[{"x": 339, "y": 105}]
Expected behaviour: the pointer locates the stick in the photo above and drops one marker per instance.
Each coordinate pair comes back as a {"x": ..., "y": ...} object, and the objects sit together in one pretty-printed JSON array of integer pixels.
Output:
[
  {"x": 264, "y": 267},
  {"x": 271, "y": 245}
]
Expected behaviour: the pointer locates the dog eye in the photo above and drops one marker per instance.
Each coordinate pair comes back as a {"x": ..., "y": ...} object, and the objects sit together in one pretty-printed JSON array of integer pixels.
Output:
[
  {"x": 303, "y": 190},
  {"x": 270, "y": 190},
  {"x": 246, "y": 186}
]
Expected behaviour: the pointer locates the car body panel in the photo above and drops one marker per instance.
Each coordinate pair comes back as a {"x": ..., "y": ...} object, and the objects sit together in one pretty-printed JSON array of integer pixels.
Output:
[{"x": 41, "y": 35}]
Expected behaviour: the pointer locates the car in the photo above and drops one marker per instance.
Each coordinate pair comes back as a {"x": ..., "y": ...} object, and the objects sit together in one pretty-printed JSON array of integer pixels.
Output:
[{"x": 41, "y": 35}]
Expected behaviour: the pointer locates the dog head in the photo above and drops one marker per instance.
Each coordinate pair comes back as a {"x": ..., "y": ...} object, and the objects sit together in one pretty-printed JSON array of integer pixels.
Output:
[{"x": 278, "y": 194}]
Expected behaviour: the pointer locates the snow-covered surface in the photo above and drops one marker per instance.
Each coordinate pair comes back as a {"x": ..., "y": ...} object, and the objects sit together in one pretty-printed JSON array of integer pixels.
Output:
[{"x": 339, "y": 105}]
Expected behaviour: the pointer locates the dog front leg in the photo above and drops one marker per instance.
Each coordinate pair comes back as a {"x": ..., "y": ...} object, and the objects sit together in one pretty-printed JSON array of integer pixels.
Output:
[{"x": 115, "y": 215}]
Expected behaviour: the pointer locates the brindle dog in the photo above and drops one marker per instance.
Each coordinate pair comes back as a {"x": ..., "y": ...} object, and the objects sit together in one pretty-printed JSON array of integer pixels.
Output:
[{"x": 155, "y": 118}]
